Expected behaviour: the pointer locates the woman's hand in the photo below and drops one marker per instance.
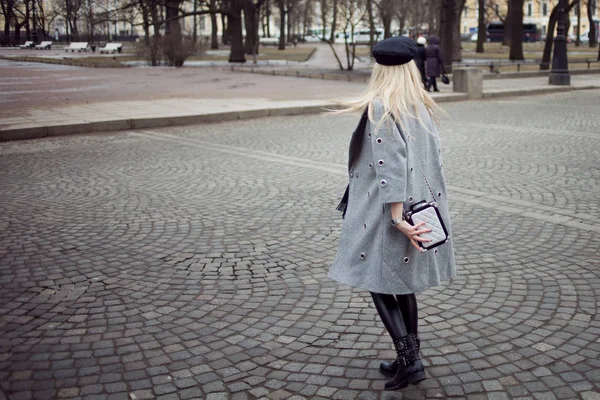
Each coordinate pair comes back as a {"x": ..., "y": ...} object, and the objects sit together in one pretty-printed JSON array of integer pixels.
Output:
[{"x": 413, "y": 233}]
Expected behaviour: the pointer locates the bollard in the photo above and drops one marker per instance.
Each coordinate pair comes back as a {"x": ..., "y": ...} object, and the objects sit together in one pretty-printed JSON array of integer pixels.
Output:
[{"x": 469, "y": 81}]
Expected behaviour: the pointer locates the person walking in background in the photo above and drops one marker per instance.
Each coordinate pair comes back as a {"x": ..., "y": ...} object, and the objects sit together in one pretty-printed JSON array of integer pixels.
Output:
[
  {"x": 420, "y": 57},
  {"x": 394, "y": 164},
  {"x": 435, "y": 63}
]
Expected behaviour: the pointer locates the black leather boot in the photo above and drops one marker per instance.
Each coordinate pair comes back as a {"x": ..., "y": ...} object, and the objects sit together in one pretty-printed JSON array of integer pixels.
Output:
[
  {"x": 388, "y": 368},
  {"x": 410, "y": 368}
]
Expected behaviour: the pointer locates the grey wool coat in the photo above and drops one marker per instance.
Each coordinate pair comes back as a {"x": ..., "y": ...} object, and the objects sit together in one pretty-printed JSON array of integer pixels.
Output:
[{"x": 382, "y": 169}]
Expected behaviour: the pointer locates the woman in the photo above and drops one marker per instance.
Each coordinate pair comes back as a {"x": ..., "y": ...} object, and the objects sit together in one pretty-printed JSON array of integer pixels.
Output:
[
  {"x": 379, "y": 251},
  {"x": 435, "y": 63}
]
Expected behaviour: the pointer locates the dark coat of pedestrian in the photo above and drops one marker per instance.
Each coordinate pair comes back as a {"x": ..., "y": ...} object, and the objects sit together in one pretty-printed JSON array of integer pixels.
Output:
[
  {"x": 420, "y": 58},
  {"x": 435, "y": 62}
]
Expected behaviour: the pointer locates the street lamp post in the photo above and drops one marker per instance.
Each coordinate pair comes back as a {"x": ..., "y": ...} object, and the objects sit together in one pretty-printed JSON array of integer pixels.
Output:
[{"x": 559, "y": 75}]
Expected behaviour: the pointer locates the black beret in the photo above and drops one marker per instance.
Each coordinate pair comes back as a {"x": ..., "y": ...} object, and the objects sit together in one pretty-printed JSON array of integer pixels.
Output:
[{"x": 396, "y": 50}]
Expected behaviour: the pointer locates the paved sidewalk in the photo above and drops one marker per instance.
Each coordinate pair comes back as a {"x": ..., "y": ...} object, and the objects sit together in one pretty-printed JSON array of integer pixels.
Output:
[
  {"x": 80, "y": 100},
  {"x": 190, "y": 262}
]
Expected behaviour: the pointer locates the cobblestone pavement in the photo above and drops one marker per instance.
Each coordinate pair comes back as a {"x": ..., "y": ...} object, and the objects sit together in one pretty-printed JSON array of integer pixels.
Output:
[{"x": 191, "y": 263}]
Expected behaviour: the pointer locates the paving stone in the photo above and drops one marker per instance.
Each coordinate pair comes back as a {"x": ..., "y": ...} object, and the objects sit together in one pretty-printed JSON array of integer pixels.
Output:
[{"x": 125, "y": 271}]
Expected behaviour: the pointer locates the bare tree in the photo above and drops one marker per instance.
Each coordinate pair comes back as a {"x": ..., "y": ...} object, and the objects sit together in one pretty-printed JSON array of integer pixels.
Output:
[
  {"x": 385, "y": 9},
  {"x": 592, "y": 34},
  {"x": 516, "y": 26},
  {"x": 447, "y": 21},
  {"x": 282, "y": 5},
  {"x": 481, "y": 27},
  {"x": 251, "y": 19},
  {"x": 456, "y": 42},
  {"x": 552, "y": 20},
  {"x": 214, "y": 29},
  {"x": 334, "y": 19},
  {"x": 508, "y": 30},
  {"x": 7, "y": 7},
  {"x": 352, "y": 12},
  {"x": 324, "y": 9},
  {"x": 578, "y": 34}
]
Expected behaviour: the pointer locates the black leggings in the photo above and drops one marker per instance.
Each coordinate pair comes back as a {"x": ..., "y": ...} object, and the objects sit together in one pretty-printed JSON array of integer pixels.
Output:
[
  {"x": 400, "y": 314},
  {"x": 433, "y": 83}
]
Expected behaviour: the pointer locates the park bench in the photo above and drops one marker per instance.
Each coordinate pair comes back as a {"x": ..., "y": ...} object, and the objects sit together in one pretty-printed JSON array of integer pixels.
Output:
[
  {"x": 111, "y": 48},
  {"x": 27, "y": 45},
  {"x": 79, "y": 46},
  {"x": 269, "y": 41},
  {"x": 44, "y": 46}
]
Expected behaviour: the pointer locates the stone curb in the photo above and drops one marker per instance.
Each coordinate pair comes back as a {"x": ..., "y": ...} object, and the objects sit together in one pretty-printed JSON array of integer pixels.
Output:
[
  {"x": 35, "y": 132},
  {"x": 312, "y": 74},
  {"x": 527, "y": 92}
]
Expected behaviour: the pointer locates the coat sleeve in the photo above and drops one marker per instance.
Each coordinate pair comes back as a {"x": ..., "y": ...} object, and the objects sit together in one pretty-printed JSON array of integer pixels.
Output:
[{"x": 389, "y": 158}]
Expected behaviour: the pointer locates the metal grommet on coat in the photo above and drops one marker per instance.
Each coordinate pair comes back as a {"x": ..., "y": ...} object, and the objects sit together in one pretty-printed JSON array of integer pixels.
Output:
[
  {"x": 356, "y": 175},
  {"x": 369, "y": 134},
  {"x": 435, "y": 251},
  {"x": 411, "y": 168},
  {"x": 439, "y": 194},
  {"x": 362, "y": 256},
  {"x": 379, "y": 140},
  {"x": 383, "y": 183},
  {"x": 410, "y": 199},
  {"x": 406, "y": 259},
  {"x": 365, "y": 226},
  {"x": 370, "y": 165},
  {"x": 351, "y": 174},
  {"x": 380, "y": 162}
]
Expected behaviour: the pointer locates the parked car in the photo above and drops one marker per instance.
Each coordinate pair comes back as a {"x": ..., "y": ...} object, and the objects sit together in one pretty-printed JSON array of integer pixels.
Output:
[{"x": 475, "y": 36}]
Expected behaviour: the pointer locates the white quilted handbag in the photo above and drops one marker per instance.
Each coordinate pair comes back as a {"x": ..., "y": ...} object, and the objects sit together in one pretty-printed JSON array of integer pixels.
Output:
[{"x": 428, "y": 213}]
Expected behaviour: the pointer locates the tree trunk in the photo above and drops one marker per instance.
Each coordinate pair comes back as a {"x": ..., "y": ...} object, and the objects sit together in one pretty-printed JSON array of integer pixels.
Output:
[
  {"x": 386, "y": 21},
  {"x": 289, "y": 22},
  {"x": 226, "y": 37},
  {"x": 456, "y": 42},
  {"x": 195, "y": 22},
  {"x": 17, "y": 34},
  {"x": 516, "y": 36},
  {"x": 234, "y": 23},
  {"x": 251, "y": 25},
  {"x": 545, "y": 64},
  {"x": 592, "y": 34},
  {"x": 334, "y": 21},
  {"x": 324, "y": 14},
  {"x": 281, "y": 5},
  {"x": 145, "y": 23},
  {"x": 371, "y": 24},
  {"x": 27, "y": 24},
  {"x": 578, "y": 11},
  {"x": 447, "y": 20},
  {"x": 481, "y": 28},
  {"x": 214, "y": 32},
  {"x": 508, "y": 24},
  {"x": 7, "y": 17},
  {"x": 268, "y": 16}
]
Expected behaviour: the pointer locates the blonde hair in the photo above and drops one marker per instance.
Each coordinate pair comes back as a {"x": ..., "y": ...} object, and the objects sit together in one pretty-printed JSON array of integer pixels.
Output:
[{"x": 400, "y": 90}]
